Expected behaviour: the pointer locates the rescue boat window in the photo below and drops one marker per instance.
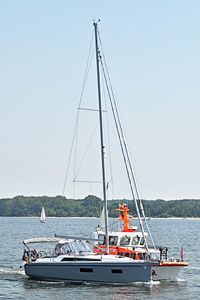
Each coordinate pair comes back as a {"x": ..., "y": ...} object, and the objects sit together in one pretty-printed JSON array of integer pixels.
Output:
[
  {"x": 113, "y": 240},
  {"x": 141, "y": 256},
  {"x": 133, "y": 255},
  {"x": 142, "y": 241},
  {"x": 101, "y": 239},
  {"x": 125, "y": 240},
  {"x": 135, "y": 240}
]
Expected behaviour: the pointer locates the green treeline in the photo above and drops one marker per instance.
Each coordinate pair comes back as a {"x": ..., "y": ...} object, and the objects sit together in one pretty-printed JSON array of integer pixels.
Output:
[{"x": 91, "y": 206}]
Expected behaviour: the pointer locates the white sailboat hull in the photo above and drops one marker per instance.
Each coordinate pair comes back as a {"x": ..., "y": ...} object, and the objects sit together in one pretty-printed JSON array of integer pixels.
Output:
[
  {"x": 169, "y": 273},
  {"x": 42, "y": 221}
]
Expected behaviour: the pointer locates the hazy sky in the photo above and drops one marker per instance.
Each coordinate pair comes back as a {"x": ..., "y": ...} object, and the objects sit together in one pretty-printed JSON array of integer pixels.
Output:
[{"x": 153, "y": 52}]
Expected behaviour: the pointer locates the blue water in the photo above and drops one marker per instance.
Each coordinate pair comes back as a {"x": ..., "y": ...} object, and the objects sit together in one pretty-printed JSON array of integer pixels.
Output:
[{"x": 173, "y": 233}]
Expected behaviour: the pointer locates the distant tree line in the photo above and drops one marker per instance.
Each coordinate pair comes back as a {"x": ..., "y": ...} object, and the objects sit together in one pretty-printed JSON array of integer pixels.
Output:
[{"x": 91, "y": 206}]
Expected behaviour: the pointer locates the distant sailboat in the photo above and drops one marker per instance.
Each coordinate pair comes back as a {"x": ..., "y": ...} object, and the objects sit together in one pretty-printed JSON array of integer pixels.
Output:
[{"x": 42, "y": 216}]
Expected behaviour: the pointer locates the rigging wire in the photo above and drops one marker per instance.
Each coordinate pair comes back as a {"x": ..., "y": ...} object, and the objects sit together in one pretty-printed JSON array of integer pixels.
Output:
[
  {"x": 124, "y": 149},
  {"x": 119, "y": 135},
  {"x": 85, "y": 153},
  {"x": 88, "y": 64},
  {"x": 120, "y": 132},
  {"x": 127, "y": 168},
  {"x": 107, "y": 140}
]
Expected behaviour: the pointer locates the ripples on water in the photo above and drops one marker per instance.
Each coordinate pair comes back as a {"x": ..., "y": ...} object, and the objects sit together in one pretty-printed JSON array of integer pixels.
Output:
[{"x": 173, "y": 233}]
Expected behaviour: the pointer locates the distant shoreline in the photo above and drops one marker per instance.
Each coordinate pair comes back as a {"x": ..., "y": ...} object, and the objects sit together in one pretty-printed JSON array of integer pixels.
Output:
[
  {"x": 91, "y": 206},
  {"x": 96, "y": 218}
]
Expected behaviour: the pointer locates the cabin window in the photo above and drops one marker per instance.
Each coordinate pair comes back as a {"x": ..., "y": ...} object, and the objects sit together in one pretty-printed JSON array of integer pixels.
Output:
[
  {"x": 86, "y": 270},
  {"x": 113, "y": 240},
  {"x": 142, "y": 241},
  {"x": 124, "y": 241},
  {"x": 101, "y": 239},
  {"x": 141, "y": 256},
  {"x": 115, "y": 271},
  {"x": 135, "y": 240},
  {"x": 133, "y": 255}
]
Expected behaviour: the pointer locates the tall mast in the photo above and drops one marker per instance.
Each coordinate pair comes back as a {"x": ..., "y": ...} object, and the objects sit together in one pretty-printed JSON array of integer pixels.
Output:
[{"x": 101, "y": 139}]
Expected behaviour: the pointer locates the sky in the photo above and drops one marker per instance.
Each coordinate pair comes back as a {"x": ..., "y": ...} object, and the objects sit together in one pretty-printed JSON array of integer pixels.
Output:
[{"x": 153, "y": 52}]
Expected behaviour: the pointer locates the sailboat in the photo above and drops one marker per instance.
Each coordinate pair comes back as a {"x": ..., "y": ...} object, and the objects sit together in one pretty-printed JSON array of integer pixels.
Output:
[
  {"x": 70, "y": 259},
  {"x": 42, "y": 216}
]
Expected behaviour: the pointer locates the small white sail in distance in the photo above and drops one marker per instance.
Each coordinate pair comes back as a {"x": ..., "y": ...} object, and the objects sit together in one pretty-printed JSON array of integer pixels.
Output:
[{"x": 43, "y": 216}]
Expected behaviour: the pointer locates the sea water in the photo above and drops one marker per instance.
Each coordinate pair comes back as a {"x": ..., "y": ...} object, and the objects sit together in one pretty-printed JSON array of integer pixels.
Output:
[{"x": 174, "y": 233}]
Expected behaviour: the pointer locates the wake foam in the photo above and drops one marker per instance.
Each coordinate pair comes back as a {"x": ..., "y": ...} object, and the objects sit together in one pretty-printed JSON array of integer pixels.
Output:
[
  {"x": 11, "y": 271},
  {"x": 181, "y": 280}
]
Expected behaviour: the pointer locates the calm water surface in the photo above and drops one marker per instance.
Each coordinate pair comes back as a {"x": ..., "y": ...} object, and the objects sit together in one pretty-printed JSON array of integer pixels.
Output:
[{"x": 173, "y": 233}]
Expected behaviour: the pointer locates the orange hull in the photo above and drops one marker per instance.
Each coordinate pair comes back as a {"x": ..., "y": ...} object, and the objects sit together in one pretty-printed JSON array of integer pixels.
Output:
[{"x": 173, "y": 264}]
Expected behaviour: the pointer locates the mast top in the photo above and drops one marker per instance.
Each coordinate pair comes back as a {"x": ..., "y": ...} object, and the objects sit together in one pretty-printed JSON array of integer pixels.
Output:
[{"x": 96, "y": 22}]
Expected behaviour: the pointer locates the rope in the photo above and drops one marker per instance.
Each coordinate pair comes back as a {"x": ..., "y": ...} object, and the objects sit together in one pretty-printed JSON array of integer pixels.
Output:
[
  {"x": 125, "y": 151},
  {"x": 85, "y": 153},
  {"x": 108, "y": 142},
  {"x": 75, "y": 133}
]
